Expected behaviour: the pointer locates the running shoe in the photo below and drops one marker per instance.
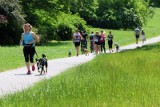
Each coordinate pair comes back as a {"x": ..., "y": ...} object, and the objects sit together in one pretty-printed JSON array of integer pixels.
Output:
[
  {"x": 33, "y": 68},
  {"x": 29, "y": 72}
]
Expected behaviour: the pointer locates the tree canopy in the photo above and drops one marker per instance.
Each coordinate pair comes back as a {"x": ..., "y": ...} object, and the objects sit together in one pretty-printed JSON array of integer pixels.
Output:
[{"x": 57, "y": 19}]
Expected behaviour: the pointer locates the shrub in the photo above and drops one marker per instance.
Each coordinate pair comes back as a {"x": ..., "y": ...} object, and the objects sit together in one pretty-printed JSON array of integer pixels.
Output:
[{"x": 67, "y": 24}]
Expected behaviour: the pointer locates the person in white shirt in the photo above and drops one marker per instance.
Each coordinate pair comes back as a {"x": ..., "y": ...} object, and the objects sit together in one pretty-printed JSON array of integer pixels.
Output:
[{"x": 76, "y": 40}]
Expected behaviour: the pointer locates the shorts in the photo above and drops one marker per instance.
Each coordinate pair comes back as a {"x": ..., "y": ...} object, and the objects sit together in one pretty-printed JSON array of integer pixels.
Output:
[
  {"x": 137, "y": 36},
  {"x": 143, "y": 37},
  {"x": 97, "y": 43},
  {"x": 29, "y": 52},
  {"x": 77, "y": 44}
]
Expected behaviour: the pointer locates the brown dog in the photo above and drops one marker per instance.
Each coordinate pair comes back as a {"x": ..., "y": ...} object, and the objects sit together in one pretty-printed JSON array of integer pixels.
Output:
[{"x": 86, "y": 52}]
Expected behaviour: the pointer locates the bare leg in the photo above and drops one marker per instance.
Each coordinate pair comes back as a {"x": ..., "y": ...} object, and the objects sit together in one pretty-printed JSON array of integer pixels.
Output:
[
  {"x": 28, "y": 66},
  {"x": 95, "y": 47},
  {"x": 77, "y": 50},
  {"x": 136, "y": 40},
  {"x": 99, "y": 48}
]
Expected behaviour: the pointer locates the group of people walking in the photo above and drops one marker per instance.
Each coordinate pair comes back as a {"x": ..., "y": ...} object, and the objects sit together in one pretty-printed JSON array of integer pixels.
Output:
[{"x": 97, "y": 41}]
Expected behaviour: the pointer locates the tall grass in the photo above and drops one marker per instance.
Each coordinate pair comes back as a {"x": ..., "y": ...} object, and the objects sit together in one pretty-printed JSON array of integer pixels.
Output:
[{"x": 127, "y": 79}]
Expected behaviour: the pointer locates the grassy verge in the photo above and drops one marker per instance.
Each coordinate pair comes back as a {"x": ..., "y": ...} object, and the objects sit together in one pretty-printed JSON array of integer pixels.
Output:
[{"x": 127, "y": 79}]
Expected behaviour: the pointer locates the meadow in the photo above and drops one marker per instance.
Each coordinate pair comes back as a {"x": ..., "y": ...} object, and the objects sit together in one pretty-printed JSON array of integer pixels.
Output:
[{"x": 126, "y": 79}]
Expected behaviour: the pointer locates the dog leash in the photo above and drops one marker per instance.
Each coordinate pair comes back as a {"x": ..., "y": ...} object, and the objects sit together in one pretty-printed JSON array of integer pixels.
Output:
[{"x": 36, "y": 53}]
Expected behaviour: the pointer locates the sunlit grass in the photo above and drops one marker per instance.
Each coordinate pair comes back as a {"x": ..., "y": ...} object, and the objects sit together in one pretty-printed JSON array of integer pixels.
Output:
[
  {"x": 11, "y": 57},
  {"x": 127, "y": 79}
]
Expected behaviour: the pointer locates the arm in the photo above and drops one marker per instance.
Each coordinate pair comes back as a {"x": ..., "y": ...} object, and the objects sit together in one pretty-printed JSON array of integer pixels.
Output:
[
  {"x": 22, "y": 37},
  {"x": 36, "y": 38}
]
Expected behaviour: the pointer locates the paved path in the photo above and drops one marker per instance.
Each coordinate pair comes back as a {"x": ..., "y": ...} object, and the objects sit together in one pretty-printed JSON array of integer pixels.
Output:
[{"x": 16, "y": 80}]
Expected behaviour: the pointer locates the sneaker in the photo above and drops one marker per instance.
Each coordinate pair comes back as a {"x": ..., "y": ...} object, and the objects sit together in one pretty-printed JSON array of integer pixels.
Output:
[
  {"x": 33, "y": 68},
  {"x": 29, "y": 72}
]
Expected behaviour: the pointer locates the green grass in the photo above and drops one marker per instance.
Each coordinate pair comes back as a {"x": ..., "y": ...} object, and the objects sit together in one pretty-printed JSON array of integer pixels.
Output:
[
  {"x": 12, "y": 56},
  {"x": 126, "y": 79},
  {"x": 127, "y": 37}
]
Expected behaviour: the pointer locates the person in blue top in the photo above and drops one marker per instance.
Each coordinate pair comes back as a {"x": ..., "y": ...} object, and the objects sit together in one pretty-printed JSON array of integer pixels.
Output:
[{"x": 28, "y": 39}]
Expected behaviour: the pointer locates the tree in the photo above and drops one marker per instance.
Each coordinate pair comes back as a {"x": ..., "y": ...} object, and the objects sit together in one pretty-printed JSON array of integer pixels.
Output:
[
  {"x": 124, "y": 14},
  {"x": 12, "y": 20},
  {"x": 86, "y": 9}
]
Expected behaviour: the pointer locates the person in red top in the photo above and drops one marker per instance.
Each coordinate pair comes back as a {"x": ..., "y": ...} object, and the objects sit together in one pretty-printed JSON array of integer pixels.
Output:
[{"x": 102, "y": 41}]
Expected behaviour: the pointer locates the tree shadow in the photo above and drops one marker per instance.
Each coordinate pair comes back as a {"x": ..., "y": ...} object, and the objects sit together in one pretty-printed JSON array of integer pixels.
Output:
[{"x": 149, "y": 47}]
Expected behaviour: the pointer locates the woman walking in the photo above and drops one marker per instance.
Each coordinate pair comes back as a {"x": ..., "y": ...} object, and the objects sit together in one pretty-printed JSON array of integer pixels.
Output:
[
  {"x": 97, "y": 43},
  {"x": 91, "y": 41},
  {"x": 102, "y": 41},
  {"x": 77, "y": 39},
  {"x": 28, "y": 39},
  {"x": 143, "y": 36},
  {"x": 110, "y": 41}
]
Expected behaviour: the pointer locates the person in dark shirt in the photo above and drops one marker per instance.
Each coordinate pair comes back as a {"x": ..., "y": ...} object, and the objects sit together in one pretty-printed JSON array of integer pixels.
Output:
[
  {"x": 85, "y": 37},
  {"x": 97, "y": 43},
  {"x": 110, "y": 41},
  {"x": 91, "y": 41}
]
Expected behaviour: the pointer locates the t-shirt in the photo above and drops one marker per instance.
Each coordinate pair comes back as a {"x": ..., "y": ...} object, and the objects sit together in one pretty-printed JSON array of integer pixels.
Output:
[
  {"x": 143, "y": 33},
  {"x": 110, "y": 37},
  {"x": 84, "y": 35},
  {"x": 102, "y": 38},
  {"x": 137, "y": 31},
  {"x": 77, "y": 37},
  {"x": 91, "y": 37},
  {"x": 97, "y": 38}
]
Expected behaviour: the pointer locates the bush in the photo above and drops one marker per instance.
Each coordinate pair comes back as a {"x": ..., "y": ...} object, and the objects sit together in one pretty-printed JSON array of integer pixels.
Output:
[{"x": 67, "y": 24}]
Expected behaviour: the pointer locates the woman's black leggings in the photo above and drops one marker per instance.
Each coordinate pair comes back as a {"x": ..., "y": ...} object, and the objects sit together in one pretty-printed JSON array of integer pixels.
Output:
[
  {"x": 29, "y": 52},
  {"x": 110, "y": 44},
  {"x": 103, "y": 46}
]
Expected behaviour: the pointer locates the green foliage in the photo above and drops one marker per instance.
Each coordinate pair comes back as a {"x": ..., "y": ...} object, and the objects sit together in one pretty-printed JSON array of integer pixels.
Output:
[
  {"x": 14, "y": 19},
  {"x": 67, "y": 24},
  {"x": 155, "y": 3},
  {"x": 45, "y": 16},
  {"x": 86, "y": 9},
  {"x": 126, "y": 14},
  {"x": 51, "y": 21}
]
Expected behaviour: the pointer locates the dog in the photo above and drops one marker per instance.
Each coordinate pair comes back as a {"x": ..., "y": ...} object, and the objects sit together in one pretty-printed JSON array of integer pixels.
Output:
[
  {"x": 42, "y": 64},
  {"x": 117, "y": 47},
  {"x": 69, "y": 53},
  {"x": 86, "y": 52}
]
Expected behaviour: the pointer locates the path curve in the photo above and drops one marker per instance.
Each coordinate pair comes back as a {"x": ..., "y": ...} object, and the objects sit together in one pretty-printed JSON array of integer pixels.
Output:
[{"x": 16, "y": 80}]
